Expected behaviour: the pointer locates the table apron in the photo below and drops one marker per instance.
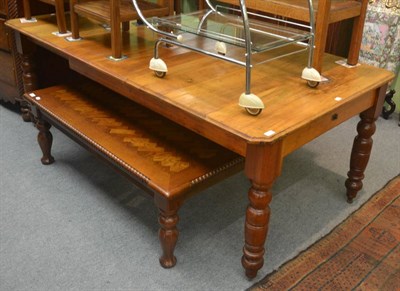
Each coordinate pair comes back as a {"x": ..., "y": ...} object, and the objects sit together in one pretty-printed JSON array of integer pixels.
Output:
[{"x": 331, "y": 119}]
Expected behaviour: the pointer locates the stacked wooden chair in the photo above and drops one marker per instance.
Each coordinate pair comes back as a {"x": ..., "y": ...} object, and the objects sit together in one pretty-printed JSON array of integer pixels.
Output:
[
  {"x": 60, "y": 13},
  {"x": 327, "y": 12},
  {"x": 113, "y": 13}
]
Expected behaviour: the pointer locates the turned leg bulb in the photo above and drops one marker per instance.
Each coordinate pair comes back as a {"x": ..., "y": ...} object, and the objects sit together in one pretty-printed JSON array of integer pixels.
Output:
[{"x": 168, "y": 235}]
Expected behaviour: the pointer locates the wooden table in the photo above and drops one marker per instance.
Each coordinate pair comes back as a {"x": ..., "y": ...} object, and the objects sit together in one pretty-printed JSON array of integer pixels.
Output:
[{"x": 202, "y": 94}]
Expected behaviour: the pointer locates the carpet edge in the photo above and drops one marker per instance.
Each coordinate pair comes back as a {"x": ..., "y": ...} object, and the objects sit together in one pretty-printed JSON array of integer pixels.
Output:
[{"x": 392, "y": 184}]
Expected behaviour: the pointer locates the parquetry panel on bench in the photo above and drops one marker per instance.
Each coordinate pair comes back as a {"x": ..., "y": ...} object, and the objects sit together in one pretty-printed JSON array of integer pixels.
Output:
[{"x": 137, "y": 135}]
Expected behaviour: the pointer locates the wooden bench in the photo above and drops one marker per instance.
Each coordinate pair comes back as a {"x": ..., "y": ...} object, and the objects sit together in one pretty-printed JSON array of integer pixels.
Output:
[
  {"x": 326, "y": 13},
  {"x": 59, "y": 6},
  {"x": 115, "y": 13},
  {"x": 168, "y": 161}
]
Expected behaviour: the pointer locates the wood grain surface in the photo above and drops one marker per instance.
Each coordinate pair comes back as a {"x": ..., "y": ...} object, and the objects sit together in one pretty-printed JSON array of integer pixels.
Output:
[{"x": 199, "y": 88}]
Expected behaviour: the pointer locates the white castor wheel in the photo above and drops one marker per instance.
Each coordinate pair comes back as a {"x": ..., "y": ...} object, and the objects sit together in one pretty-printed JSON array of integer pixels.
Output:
[
  {"x": 160, "y": 74},
  {"x": 159, "y": 67},
  {"x": 252, "y": 103},
  {"x": 312, "y": 76},
  {"x": 253, "y": 111},
  {"x": 220, "y": 47},
  {"x": 312, "y": 84}
]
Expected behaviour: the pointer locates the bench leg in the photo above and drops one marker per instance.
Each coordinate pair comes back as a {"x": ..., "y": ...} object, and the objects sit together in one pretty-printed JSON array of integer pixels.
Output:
[
  {"x": 27, "y": 10},
  {"x": 168, "y": 235},
  {"x": 45, "y": 139},
  {"x": 321, "y": 33},
  {"x": 74, "y": 21},
  {"x": 116, "y": 36},
  {"x": 60, "y": 16},
  {"x": 126, "y": 26},
  {"x": 357, "y": 35}
]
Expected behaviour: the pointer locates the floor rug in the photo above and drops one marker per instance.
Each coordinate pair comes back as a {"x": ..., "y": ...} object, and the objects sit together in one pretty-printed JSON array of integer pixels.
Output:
[{"x": 362, "y": 253}]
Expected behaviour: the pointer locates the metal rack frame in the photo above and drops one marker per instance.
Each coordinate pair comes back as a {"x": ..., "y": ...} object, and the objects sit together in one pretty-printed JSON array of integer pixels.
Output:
[{"x": 252, "y": 103}]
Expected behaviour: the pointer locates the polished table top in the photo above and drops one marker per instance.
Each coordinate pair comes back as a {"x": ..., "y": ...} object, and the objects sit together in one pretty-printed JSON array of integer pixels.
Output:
[{"x": 199, "y": 89}]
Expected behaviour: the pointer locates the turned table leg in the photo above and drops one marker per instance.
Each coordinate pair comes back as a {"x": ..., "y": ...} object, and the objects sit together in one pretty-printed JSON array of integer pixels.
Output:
[
  {"x": 392, "y": 106},
  {"x": 359, "y": 156},
  {"x": 256, "y": 229},
  {"x": 263, "y": 165},
  {"x": 45, "y": 140},
  {"x": 362, "y": 146},
  {"x": 168, "y": 233}
]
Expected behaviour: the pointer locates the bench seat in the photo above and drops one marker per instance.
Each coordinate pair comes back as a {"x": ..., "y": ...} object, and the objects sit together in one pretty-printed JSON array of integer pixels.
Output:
[{"x": 165, "y": 159}]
